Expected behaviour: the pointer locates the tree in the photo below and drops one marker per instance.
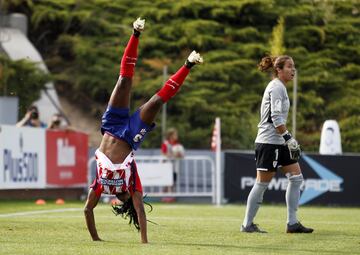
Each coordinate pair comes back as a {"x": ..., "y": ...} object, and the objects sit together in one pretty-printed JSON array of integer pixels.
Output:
[
  {"x": 82, "y": 42},
  {"x": 22, "y": 79}
]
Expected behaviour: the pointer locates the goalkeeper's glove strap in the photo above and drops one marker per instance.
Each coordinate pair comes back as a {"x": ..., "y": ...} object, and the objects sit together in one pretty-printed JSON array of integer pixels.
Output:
[{"x": 286, "y": 135}]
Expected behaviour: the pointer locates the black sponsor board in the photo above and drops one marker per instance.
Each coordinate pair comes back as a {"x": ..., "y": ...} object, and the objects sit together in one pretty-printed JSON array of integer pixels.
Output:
[{"x": 328, "y": 180}]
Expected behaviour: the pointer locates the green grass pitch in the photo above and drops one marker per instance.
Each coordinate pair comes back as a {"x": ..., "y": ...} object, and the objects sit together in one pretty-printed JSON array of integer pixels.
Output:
[{"x": 181, "y": 229}]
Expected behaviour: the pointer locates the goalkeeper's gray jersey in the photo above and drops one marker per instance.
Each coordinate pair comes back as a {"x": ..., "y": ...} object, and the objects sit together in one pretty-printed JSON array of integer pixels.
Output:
[{"x": 274, "y": 112}]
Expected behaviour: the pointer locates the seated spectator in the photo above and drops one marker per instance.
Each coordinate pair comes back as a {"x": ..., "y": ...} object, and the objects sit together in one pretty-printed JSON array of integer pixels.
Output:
[{"x": 31, "y": 118}]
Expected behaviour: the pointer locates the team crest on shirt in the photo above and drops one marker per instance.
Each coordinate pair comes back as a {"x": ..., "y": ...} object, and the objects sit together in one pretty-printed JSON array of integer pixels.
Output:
[
  {"x": 139, "y": 136},
  {"x": 278, "y": 106}
]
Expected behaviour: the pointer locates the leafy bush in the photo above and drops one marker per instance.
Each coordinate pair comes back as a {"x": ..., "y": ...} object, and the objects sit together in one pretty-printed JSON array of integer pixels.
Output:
[{"x": 23, "y": 79}]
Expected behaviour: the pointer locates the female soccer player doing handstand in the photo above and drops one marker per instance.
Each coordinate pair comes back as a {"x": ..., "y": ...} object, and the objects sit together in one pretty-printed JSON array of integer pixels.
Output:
[{"x": 123, "y": 133}]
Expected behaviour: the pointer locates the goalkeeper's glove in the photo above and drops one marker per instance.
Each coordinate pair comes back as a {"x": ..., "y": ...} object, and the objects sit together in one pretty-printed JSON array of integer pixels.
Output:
[{"x": 293, "y": 145}]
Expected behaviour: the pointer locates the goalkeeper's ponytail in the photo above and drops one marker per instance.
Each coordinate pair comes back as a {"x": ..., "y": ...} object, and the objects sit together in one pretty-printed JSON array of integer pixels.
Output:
[{"x": 270, "y": 63}]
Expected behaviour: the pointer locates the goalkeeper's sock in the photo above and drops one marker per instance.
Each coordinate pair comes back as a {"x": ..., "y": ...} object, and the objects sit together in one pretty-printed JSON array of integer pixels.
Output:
[
  {"x": 254, "y": 201},
  {"x": 172, "y": 85},
  {"x": 292, "y": 197},
  {"x": 129, "y": 58}
]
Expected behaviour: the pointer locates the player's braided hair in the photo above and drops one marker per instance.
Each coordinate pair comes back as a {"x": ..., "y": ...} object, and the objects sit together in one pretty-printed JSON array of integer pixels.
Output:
[{"x": 127, "y": 209}]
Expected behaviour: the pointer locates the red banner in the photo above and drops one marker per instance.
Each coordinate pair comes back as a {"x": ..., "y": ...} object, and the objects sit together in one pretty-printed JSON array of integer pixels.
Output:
[{"x": 67, "y": 155}]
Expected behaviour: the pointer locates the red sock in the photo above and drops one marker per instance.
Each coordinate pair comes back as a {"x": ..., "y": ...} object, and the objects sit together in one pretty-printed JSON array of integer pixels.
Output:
[
  {"x": 129, "y": 58},
  {"x": 173, "y": 84}
]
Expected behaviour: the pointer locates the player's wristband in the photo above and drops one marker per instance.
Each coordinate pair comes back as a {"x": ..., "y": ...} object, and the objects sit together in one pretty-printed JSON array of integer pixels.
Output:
[{"x": 286, "y": 135}]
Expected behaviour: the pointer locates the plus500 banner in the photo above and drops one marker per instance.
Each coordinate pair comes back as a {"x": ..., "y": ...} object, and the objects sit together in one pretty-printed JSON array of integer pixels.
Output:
[
  {"x": 328, "y": 180},
  {"x": 22, "y": 157},
  {"x": 38, "y": 158}
]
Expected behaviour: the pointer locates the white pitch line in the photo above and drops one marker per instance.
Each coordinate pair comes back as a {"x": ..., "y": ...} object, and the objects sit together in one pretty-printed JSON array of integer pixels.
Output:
[{"x": 5, "y": 215}]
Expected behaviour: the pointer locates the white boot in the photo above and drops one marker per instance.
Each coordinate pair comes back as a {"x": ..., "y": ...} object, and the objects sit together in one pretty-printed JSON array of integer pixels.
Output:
[
  {"x": 195, "y": 58},
  {"x": 139, "y": 24}
]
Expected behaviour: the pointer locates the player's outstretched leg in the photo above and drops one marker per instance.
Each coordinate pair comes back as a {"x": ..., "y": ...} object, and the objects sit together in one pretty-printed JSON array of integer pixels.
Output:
[
  {"x": 149, "y": 110},
  {"x": 120, "y": 96}
]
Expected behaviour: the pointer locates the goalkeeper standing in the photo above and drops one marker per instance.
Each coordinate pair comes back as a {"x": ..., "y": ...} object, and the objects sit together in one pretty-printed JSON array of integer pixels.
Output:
[{"x": 275, "y": 147}]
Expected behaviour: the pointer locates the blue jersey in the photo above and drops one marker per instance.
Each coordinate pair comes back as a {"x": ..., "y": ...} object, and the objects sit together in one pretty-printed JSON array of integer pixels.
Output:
[{"x": 130, "y": 128}]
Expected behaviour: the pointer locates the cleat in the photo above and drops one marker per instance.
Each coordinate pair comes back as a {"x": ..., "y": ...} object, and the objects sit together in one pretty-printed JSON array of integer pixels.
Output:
[
  {"x": 253, "y": 228},
  {"x": 195, "y": 58},
  {"x": 298, "y": 228},
  {"x": 139, "y": 24}
]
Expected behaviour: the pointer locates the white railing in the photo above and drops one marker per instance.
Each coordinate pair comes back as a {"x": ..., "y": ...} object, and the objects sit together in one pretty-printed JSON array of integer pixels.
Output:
[{"x": 195, "y": 177}]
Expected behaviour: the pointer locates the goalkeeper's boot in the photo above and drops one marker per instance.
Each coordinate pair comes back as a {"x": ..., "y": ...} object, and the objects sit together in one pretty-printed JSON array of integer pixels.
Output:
[
  {"x": 253, "y": 228},
  {"x": 298, "y": 228}
]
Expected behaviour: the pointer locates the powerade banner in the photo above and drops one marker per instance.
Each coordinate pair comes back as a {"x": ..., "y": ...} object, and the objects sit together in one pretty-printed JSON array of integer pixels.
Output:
[
  {"x": 328, "y": 180},
  {"x": 22, "y": 157}
]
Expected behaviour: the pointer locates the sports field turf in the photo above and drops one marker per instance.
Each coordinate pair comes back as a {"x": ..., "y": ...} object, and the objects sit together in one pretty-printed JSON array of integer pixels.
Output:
[{"x": 181, "y": 229}]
